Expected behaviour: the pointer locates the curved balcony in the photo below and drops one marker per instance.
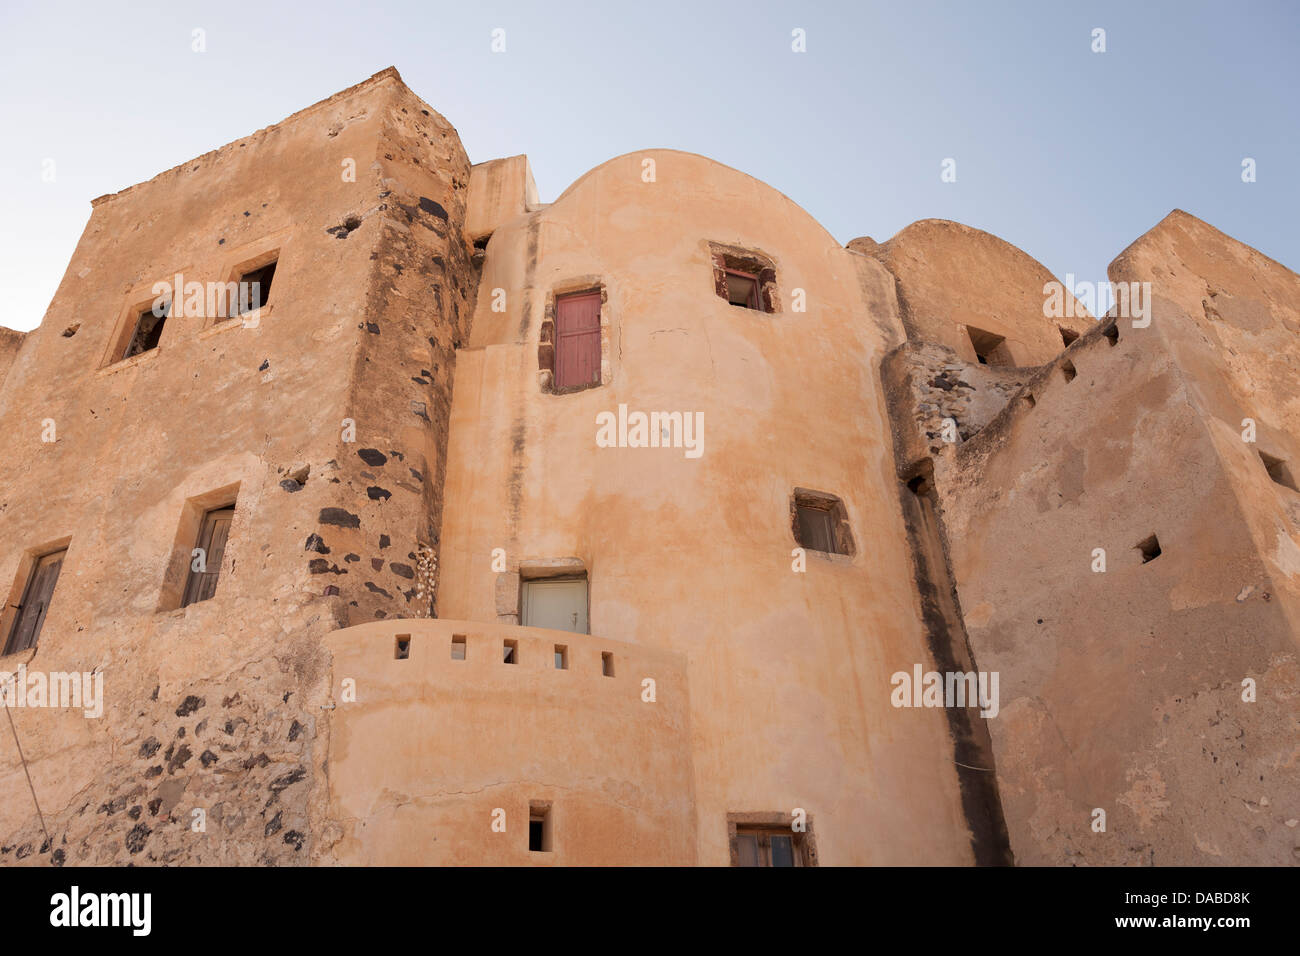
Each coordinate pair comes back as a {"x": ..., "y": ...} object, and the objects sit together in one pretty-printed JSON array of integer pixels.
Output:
[{"x": 441, "y": 752}]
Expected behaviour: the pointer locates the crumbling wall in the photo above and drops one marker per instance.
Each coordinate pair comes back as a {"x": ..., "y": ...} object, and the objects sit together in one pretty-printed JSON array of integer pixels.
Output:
[
  {"x": 216, "y": 707},
  {"x": 379, "y": 547},
  {"x": 951, "y": 277},
  {"x": 1122, "y": 689}
]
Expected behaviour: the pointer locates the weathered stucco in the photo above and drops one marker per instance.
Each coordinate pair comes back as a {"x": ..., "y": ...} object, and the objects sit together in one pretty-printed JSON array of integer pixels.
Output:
[{"x": 404, "y": 461}]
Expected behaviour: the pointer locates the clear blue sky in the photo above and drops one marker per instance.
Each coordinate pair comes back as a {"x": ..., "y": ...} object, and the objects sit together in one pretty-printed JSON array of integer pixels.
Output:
[{"x": 1067, "y": 153}]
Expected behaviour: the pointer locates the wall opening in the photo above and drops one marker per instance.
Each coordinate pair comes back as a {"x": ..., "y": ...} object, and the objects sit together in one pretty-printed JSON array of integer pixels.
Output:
[
  {"x": 1150, "y": 548},
  {"x": 459, "y": 648},
  {"x": 1067, "y": 370},
  {"x": 1112, "y": 333},
  {"x": 990, "y": 349},
  {"x": 539, "y": 827},
  {"x": 1278, "y": 471},
  {"x": 607, "y": 664},
  {"x": 561, "y": 657},
  {"x": 403, "y": 648},
  {"x": 510, "y": 652},
  {"x": 1068, "y": 336}
]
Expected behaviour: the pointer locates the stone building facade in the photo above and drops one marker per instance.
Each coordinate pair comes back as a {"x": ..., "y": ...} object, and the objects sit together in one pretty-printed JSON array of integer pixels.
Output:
[{"x": 598, "y": 531}]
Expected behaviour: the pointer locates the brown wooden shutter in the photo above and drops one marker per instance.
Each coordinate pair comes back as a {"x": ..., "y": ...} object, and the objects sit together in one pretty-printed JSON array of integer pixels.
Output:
[
  {"x": 212, "y": 539},
  {"x": 577, "y": 340},
  {"x": 816, "y": 529},
  {"x": 35, "y": 603}
]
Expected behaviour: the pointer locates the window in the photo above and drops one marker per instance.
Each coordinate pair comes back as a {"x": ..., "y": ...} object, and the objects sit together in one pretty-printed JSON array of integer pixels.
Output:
[
  {"x": 770, "y": 839},
  {"x": 561, "y": 657},
  {"x": 35, "y": 602},
  {"x": 820, "y": 522},
  {"x": 742, "y": 289},
  {"x": 209, "y": 550},
  {"x": 990, "y": 349},
  {"x": 510, "y": 652},
  {"x": 746, "y": 279},
  {"x": 403, "y": 650},
  {"x": 577, "y": 340},
  {"x": 458, "y": 647},
  {"x": 539, "y": 827},
  {"x": 607, "y": 664},
  {"x": 254, "y": 289},
  {"x": 558, "y": 603},
  {"x": 148, "y": 331}
]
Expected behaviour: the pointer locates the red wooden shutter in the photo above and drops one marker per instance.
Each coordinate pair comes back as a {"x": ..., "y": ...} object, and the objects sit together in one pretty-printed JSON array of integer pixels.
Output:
[{"x": 577, "y": 340}]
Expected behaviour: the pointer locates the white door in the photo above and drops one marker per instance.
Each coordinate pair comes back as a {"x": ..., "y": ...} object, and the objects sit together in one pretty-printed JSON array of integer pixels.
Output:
[{"x": 558, "y": 603}]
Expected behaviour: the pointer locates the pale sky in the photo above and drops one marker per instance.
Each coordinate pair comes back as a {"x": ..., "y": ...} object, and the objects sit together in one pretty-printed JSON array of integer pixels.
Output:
[{"x": 1067, "y": 153}]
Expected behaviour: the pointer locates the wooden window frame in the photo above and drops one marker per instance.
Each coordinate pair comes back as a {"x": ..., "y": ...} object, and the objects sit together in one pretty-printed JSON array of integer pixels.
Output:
[
  {"x": 546, "y": 341},
  {"x": 734, "y": 260},
  {"x": 196, "y": 581},
  {"x": 764, "y": 826},
  {"x": 20, "y": 596},
  {"x": 806, "y": 498}
]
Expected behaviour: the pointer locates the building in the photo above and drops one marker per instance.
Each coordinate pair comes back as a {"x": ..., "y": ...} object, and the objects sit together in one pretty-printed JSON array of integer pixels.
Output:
[{"x": 597, "y": 532}]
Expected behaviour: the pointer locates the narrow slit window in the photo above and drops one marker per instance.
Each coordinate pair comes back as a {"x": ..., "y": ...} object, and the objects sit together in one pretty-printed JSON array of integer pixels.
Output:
[
  {"x": 458, "y": 647},
  {"x": 209, "y": 551},
  {"x": 510, "y": 652},
  {"x": 148, "y": 331},
  {"x": 607, "y": 664},
  {"x": 403, "y": 648},
  {"x": 539, "y": 827},
  {"x": 35, "y": 602},
  {"x": 561, "y": 657}
]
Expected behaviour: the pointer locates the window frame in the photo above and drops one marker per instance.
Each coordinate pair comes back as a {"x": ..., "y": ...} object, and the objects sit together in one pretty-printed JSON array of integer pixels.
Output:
[
  {"x": 29, "y": 572},
  {"x": 195, "y": 581}
]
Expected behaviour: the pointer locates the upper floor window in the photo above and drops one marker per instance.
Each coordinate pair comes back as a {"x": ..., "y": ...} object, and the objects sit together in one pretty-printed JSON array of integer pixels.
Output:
[
  {"x": 820, "y": 522},
  {"x": 572, "y": 343},
  {"x": 254, "y": 289},
  {"x": 148, "y": 330},
  {"x": 744, "y": 278}
]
